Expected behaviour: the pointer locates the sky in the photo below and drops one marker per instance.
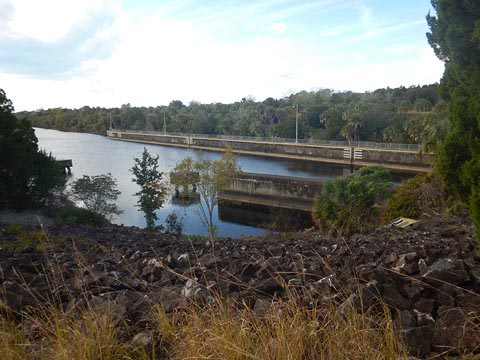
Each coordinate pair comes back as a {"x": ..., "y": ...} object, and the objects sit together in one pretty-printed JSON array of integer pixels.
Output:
[{"x": 74, "y": 53}]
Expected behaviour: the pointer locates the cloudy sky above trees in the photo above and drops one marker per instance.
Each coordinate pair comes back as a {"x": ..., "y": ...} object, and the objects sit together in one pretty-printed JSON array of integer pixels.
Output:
[{"x": 71, "y": 53}]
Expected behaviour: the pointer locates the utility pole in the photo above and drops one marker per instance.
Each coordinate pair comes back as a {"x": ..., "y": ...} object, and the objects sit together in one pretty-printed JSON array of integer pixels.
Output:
[
  {"x": 164, "y": 122},
  {"x": 296, "y": 122}
]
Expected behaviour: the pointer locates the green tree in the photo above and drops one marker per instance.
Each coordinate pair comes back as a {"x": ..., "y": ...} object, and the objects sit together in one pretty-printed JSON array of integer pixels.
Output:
[
  {"x": 98, "y": 194},
  {"x": 28, "y": 177},
  {"x": 152, "y": 187},
  {"x": 351, "y": 203},
  {"x": 212, "y": 179},
  {"x": 455, "y": 38}
]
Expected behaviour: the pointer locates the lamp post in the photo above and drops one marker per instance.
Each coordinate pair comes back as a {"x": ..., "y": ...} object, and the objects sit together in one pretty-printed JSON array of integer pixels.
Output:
[
  {"x": 164, "y": 123},
  {"x": 296, "y": 122}
]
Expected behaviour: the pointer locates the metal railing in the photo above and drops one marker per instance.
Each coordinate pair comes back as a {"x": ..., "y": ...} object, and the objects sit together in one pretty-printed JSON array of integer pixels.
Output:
[{"x": 357, "y": 144}]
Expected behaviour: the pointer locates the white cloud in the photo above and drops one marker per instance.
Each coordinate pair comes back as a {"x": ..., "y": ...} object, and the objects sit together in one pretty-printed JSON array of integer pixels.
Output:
[{"x": 49, "y": 20}]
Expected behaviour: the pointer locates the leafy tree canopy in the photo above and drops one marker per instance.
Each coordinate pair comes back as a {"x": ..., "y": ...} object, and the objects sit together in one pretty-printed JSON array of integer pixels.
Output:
[
  {"x": 455, "y": 38},
  {"x": 152, "y": 187},
  {"x": 323, "y": 114},
  {"x": 98, "y": 194},
  {"x": 28, "y": 176}
]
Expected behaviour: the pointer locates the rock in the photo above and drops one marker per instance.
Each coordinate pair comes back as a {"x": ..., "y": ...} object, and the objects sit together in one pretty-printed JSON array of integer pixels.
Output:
[
  {"x": 423, "y": 319},
  {"x": 191, "y": 288},
  {"x": 455, "y": 339},
  {"x": 452, "y": 317},
  {"x": 262, "y": 305},
  {"x": 267, "y": 286},
  {"x": 468, "y": 300},
  {"x": 184, "y": 257},
  {"x": 413, "y": 289},
  {"x": 446, "y": 295},
  {"x": 391, "y": 259},
  {"x": 446, "y": 271},
  {"x": 405, "y": 319},
  {"x": 408, "y": 263},
  {"x": 422, "y": 266},
  {"x": 425, "y": 305},
  {"x": 208, "y": 260},
  {"x": 418, "y": 340},
  {"x": 393, "y": 298}
]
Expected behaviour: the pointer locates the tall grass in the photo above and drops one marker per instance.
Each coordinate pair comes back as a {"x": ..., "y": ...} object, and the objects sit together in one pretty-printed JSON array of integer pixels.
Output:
[
  {"x": 286, "y": 331},
  {"x": 218, "y": 331}
]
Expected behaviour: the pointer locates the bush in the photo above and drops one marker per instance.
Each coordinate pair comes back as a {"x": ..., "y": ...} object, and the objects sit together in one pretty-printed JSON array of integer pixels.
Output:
[
  {"x": 417, "y": 195},
  {"x": 98, "y": 194},
  {"x": 72, "y": 215},
  {"x": 351, "y": 203}
]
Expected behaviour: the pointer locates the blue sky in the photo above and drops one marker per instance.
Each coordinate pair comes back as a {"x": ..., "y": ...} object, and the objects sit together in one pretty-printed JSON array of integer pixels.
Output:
[{"x": 71, "y": 53}]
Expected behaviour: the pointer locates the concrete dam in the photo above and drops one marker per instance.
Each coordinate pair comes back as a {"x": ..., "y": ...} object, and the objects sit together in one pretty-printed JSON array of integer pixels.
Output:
[
  {"x": 285, "y": 192},
  {"x": 399, "y": 157}
]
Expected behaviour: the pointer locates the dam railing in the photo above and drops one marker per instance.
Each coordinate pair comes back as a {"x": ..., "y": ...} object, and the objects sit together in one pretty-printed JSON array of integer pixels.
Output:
[{"x": 356, "y": 144}]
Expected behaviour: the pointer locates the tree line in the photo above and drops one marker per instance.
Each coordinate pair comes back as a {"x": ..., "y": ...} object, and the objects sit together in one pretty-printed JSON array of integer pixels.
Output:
[{"x": 401, "y": 115}]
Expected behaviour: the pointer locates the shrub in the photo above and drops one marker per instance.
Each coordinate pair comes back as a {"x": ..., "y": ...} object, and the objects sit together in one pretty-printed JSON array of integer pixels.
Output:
[
  {"x": 72, "y": 215},
  {"x": 351, "y": 203},
  {"x": 415, "y": 196},
  {"x": 98, "y": 194}
]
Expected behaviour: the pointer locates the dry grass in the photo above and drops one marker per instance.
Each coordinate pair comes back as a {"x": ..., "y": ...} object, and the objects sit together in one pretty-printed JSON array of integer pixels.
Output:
[
  {"x": 219, "y": 331},
  {"x": 285, "y": 332}
]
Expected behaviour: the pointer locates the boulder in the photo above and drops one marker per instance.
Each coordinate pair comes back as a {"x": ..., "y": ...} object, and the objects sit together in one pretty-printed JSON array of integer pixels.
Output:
[{"x": 446, "y": 271}]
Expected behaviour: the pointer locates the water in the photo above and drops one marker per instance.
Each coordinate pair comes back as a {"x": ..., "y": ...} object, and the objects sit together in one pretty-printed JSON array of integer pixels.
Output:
[{"x": 95, "y": 154}]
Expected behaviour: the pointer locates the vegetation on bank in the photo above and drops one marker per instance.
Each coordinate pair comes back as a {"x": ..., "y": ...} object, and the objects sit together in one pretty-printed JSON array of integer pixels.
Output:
[
  {"x": 28, "y": 176},
  {"x": 401, "y": 115}
]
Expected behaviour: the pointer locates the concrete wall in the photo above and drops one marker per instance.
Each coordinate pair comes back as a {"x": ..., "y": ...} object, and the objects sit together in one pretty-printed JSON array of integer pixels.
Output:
[
  {"x": 149, "y": 138},
  {"x": 272, "y": 190},
  {"x": 402, "y": 160},
  {"x": 275, "y": 148},
  {"x": 396, "y": 157}
]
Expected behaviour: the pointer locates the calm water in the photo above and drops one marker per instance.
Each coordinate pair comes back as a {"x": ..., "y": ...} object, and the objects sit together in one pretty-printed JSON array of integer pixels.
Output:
[{"x": 95, "y": 154}]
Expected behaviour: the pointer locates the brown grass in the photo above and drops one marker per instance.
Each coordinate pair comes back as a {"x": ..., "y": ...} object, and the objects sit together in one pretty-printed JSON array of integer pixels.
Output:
[{"x": 219, "y": 331}]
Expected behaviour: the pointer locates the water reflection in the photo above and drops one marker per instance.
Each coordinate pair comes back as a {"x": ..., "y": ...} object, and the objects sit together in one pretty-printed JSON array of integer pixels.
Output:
[{"x": 274, "y": 219}]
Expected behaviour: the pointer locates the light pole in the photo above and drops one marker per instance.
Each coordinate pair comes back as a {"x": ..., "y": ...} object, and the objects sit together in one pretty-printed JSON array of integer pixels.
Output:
[
  {"x": 164, "y": 123},
  {"x": 296, "y": 122}
]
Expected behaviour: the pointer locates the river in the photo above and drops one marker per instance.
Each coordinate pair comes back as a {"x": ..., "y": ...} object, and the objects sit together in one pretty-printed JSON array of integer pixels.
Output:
[{"x": 96, "y": 154}]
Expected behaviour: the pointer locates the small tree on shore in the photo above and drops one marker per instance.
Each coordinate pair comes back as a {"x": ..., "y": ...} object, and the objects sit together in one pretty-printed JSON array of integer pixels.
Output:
[
  {"x": 212, "y": 179},
  {"x": 152, "y": 187},
  {"x": 98, "y": 194}
]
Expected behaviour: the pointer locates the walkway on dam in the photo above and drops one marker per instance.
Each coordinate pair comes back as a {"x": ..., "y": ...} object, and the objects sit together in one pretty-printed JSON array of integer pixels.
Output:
[{"x": 398, "y": 157}]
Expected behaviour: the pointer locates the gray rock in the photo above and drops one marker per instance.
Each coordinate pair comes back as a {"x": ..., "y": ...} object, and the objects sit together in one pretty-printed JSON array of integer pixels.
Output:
[
  {"x": 408, "y": 263},
  {"x": 447, "y": 270},
  {"x": 191, "y": 288}
]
